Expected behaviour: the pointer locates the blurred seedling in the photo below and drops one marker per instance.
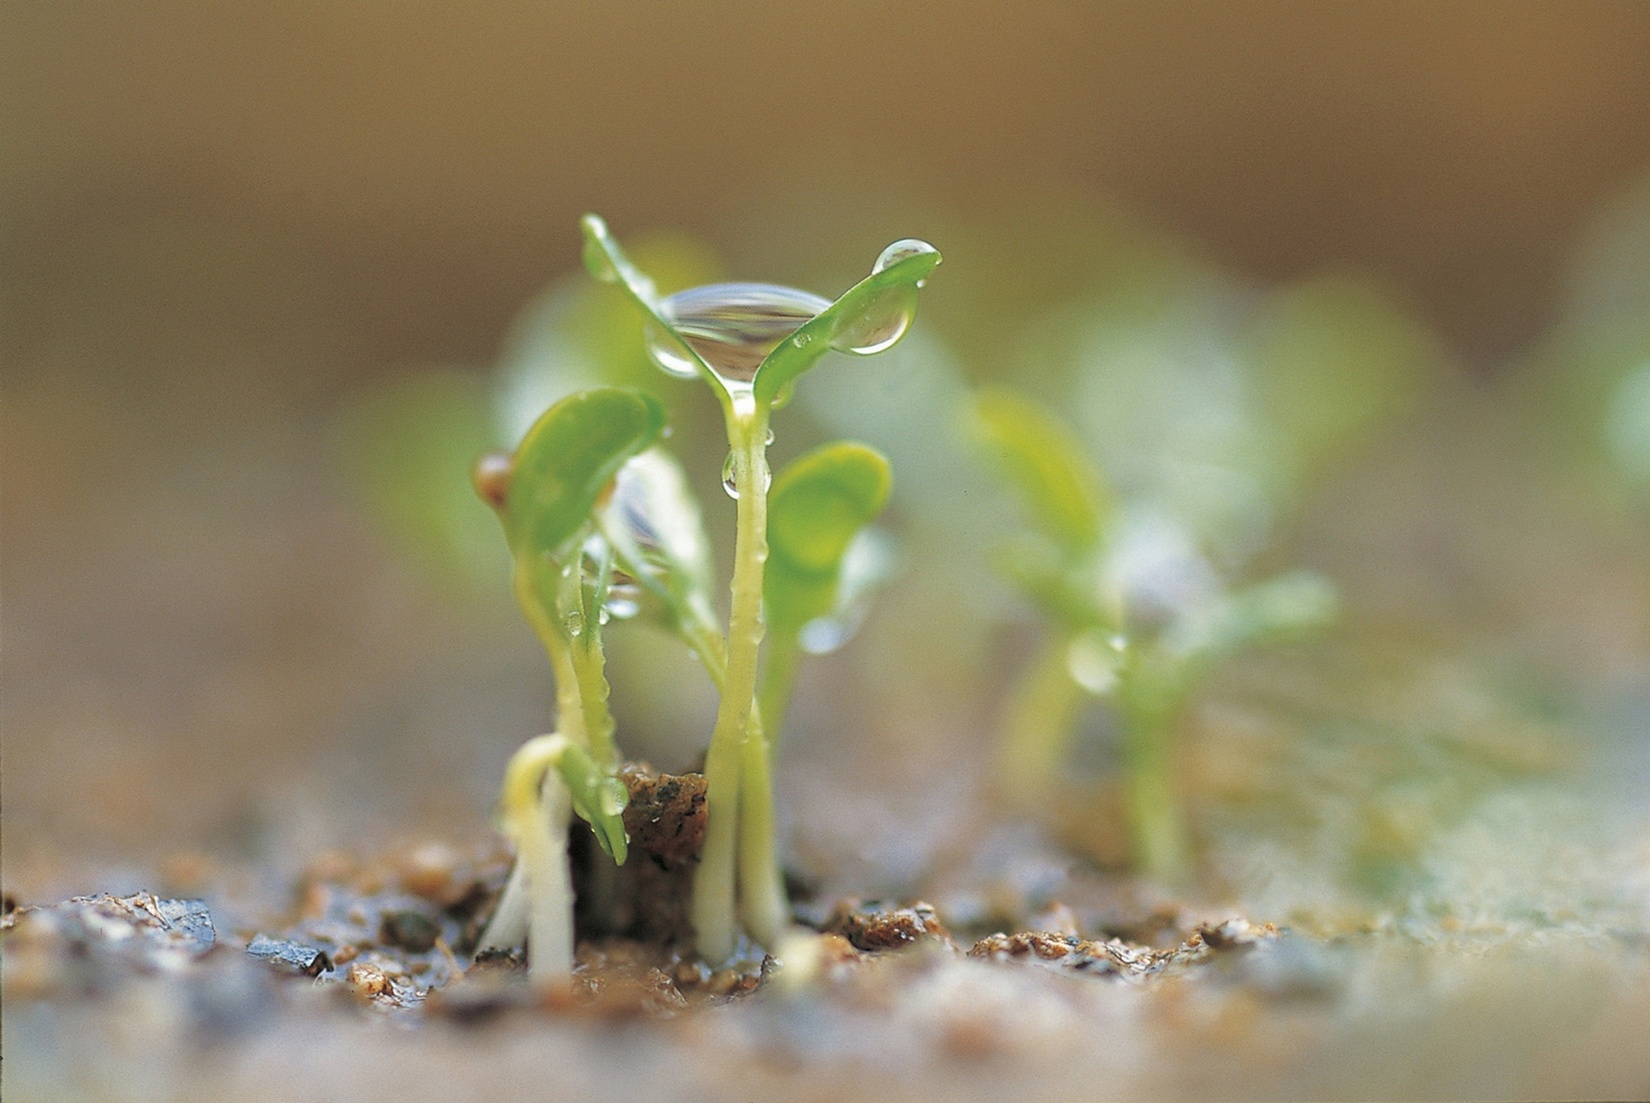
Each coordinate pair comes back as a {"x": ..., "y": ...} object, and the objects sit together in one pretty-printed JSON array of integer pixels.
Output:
[
  {"x": 601, "y": 526},
  {"x": 1135, "y": 619}
]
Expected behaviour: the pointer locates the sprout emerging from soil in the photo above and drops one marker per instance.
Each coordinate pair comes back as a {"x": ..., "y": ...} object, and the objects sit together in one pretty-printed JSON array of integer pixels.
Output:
[
  {"x": 1136, "y": 619},
  {"x": 546, "y": 495},
  {"x": 751, "y": 343}
]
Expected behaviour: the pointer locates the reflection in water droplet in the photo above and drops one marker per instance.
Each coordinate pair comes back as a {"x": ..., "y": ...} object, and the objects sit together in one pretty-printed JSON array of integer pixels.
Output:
[
  {"x": 491, "y": 476},
  {"x": 574, "y": 624},
  {"x": 885, "y": 322},
  {"x": 732, "y": 326}
]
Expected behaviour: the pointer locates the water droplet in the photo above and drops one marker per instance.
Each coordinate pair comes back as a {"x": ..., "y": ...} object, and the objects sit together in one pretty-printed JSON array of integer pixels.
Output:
[
  {"x": 802, "y": 340},
  {"x": 574, "y": 624},
  {"x": 728, "y": 482},
  {"x": 882, "y": 324},
  {"x": 491, "y": 476},
  {"x": 731, "y": 484},
  {"x": 624, "y": 598},
  {"x": 612, "y": 796},
  {"x": 822, "y": 635},
  {"x": 767, "y": 438},
  {"x": 1092, "y": 660},
  {"x": 732, "y": 326},
  {"x": 905, "y": 247}
]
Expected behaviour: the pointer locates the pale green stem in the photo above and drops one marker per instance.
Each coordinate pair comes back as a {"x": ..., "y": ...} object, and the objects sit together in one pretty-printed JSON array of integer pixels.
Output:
[
  {"x": 536, "y": 813},
  {"x": 589, "y": 671},
  {"x": 1157, "y": 830},
  {"x": 1041, "y": 712},
  {"x": 763, "y": 905},
  {"x": 570, "y": 714},
  {"x": 715, "y": 883},
  {"x": 779, "y": 667}
]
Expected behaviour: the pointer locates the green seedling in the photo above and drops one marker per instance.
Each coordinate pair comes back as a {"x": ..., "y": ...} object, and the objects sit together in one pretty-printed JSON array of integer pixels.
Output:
[
  {"x": 1108, "y": 639},
  {"x": 750, "y": 343},
  {"x": 546, "y": 495}
]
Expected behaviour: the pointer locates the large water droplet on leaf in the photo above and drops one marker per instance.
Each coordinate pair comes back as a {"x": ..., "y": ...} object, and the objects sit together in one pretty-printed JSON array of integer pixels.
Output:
[
  {"x": 905, "y": 247},
  {"x": 732, "y": 326},
  {"x": 884, "y": 323}
]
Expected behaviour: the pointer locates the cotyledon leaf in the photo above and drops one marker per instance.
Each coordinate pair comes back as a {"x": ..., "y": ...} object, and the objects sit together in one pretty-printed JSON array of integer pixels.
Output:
[
  {"x": 1041, "y": 457},
  {"x": 817, "y": 506},
  {"x": 568, "y": 458},
  {"x": 867, "y": 318},
  {"x": 607, "y": 262}
]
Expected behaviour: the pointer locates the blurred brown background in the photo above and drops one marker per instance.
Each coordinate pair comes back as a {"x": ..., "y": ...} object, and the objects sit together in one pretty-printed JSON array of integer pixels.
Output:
[
  {"x": 418, "y": 167},
  {"x": 218, "y": 216}
]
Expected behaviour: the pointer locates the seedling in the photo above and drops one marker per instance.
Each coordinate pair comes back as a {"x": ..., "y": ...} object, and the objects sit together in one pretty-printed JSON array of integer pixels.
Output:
[
  {"x": 751, "y": 343},
  {"x": 546, "y": 496},
  {"x": 602, "y": 525},
  {"x": 1109, "y": 639}
]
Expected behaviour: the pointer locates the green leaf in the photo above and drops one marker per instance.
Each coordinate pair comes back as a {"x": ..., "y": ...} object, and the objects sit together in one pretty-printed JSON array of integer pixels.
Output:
[
  {"x": 607, "y": 262},
  {"x": 868, "y": 317},
  {"x": 599, "y": 799},
  {"x": 567, "y": 460},
  {"x": 1042, "y": 459},
  {"x": 816, "y": 507}
]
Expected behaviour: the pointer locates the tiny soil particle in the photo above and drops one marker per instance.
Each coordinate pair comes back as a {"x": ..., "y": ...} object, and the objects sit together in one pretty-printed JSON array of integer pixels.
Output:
[
  {"x": 409, "y": 930},
  {"x": 367, "y": 980},
  {"x": 873, "y": 927}
]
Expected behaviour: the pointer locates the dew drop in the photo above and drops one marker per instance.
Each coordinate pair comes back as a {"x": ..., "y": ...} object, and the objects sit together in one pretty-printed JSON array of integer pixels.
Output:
[
  {"x": 612, "y": 796},
  {"x": 574, "y": 624},
  {"x": 882, "y": 324},
  {"x": 728, "y": 483},
  {"x": 732, "y": 326},
  {"x": 899, "y": 250},
  {"x": 731, "y": 484},
  {"x": 624, "y": 598},
  {"x": 823, "y": 635},
  {"x": 491, "y": 476},
  {"x": 767, "y": 437},
  {"x": 1092, "y": 660}
]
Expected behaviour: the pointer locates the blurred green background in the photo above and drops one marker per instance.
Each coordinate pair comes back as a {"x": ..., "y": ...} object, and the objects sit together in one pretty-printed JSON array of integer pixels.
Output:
[{"x": 1360, "y": 288}]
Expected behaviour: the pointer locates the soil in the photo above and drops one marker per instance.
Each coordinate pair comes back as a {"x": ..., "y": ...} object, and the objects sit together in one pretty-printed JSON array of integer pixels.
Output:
[{"x": 366, "y": 980}]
